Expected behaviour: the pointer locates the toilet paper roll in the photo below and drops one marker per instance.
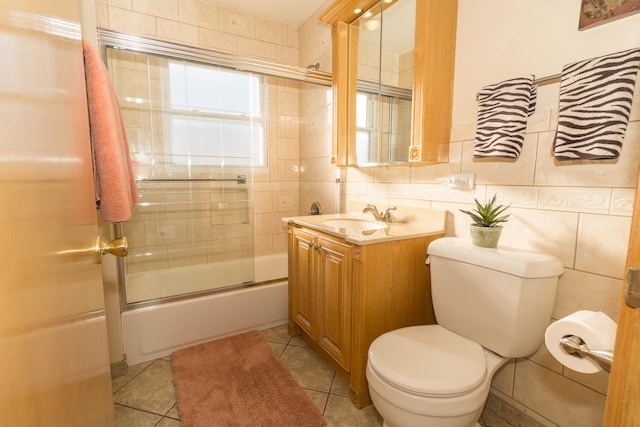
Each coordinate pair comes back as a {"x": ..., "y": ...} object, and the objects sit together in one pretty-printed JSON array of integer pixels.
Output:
[{"x": 596, "y": 329}]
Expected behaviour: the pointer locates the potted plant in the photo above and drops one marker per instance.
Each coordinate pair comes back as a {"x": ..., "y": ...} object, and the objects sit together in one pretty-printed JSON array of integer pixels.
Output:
[{"x": 487, "y": 222}]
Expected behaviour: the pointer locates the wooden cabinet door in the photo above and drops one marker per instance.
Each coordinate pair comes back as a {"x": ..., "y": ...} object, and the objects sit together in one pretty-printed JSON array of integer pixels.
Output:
[
  {"x": 302, "y": 286},
  {"x": 334, "y": 300}
]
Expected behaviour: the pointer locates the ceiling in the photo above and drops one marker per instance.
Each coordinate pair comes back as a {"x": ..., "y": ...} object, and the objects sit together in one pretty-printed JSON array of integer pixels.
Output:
[{"x": 292, "y": 12}]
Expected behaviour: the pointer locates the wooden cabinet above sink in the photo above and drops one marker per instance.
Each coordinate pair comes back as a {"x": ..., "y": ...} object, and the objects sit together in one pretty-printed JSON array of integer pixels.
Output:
[{"x": 432, "y": 90}]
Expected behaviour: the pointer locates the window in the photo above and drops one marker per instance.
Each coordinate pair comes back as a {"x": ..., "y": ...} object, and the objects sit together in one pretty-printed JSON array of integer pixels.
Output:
[
  {"x": 383, "y": 128},
  {"x": 365, "y": 126},
  {"x": 216, "y": 116}
]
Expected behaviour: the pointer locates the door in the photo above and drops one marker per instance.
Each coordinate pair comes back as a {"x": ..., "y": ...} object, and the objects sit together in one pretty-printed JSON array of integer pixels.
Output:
[
  {"x": 334, "y": 299},
  {"x": 53, "y": 341},
  {"x": 302, "y": 284},
  {"x": 623, "y": 397}
]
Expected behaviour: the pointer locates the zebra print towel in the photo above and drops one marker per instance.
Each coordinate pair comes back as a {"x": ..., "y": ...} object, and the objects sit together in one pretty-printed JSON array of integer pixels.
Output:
[
  {"x": 503, "y": 109},
  {"x": 595, "y": 104}
]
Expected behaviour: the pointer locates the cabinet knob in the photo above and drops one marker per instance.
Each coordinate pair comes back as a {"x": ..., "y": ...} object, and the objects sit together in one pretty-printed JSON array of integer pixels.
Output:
[{"x": 313, "y": 245}]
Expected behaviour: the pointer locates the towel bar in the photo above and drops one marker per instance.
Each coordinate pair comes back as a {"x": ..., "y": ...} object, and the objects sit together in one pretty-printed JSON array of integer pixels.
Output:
[
  {"x": 240, "y": 179},
  {"x": 547, "y": 79},
  {"x": 540, "y": 82}
]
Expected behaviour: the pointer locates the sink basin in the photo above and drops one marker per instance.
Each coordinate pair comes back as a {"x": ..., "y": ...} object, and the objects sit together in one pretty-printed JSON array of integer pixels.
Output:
[{"x": 355, "y": 225}]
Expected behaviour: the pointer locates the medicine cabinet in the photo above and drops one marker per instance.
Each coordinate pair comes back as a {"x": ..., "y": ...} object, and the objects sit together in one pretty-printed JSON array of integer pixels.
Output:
[{"x": 392, "y": 100}]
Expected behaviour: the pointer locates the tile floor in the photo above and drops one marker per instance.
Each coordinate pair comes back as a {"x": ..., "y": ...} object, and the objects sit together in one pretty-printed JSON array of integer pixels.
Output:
[{"x": 146, "y": 397}]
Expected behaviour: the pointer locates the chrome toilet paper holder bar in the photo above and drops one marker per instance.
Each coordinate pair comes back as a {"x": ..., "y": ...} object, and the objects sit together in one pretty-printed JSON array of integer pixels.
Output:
[{"x": 575, "y": 346}]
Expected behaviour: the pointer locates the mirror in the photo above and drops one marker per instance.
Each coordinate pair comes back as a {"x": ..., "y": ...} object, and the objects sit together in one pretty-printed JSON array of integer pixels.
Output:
[
  {"x": 432, "y": 82},
  {"x": 385, "y": 78}
]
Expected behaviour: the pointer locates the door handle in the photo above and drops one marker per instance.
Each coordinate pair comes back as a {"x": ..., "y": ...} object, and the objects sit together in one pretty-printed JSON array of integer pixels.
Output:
[{"x": 117, "y": 247}]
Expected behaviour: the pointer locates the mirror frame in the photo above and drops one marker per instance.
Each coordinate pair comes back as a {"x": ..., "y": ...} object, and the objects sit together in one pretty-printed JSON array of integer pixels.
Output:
[{"x": 434, "y": 63}]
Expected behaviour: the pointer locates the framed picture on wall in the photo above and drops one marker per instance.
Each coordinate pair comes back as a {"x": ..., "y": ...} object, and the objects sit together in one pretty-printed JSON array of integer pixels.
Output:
[{"x": 597, "y": 12}]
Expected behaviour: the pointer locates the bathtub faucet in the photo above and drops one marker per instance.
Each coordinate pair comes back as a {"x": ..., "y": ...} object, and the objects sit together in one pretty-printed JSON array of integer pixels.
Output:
[{"x": 385, "y": 216}]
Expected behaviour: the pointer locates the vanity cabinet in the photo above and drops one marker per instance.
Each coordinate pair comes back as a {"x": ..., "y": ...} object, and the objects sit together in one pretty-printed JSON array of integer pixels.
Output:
[
  {"x": 321, "y": 300},
  {"x": 343, "y": 295}
]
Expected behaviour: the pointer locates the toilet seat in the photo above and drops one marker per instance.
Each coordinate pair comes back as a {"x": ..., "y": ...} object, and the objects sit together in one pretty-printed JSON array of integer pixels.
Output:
[{"x": 428, "y": 360}]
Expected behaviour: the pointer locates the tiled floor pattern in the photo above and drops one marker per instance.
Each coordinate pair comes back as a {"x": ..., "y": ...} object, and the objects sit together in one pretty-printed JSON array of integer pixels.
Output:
[{"x": 146, "y": 396}]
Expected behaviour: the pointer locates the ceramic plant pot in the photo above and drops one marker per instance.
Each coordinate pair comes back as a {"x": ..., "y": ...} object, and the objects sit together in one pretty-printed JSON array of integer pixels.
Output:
[{"x": 485, "y": 237}]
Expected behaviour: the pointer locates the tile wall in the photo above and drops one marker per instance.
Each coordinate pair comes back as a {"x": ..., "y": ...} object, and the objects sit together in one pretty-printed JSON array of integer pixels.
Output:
[
  {"x": 318, "y": 180},
  {"x": 202, "y": 23}
]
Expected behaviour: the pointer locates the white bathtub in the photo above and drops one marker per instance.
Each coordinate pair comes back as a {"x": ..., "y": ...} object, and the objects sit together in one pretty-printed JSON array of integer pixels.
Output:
[
  {"x": 159, "y": 330},
  {"x": 152, "y": 285}
]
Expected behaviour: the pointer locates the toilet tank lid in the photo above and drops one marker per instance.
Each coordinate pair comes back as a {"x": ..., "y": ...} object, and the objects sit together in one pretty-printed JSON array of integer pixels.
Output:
[{"x": 513, "y": 261}]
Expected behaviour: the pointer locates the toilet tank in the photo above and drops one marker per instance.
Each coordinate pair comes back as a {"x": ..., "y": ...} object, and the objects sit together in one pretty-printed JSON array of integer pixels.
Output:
[{"x": 500, "y": 298}]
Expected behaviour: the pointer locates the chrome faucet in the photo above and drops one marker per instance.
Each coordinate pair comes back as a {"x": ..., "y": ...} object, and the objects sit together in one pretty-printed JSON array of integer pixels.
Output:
[{"x": 373, "y": 210}]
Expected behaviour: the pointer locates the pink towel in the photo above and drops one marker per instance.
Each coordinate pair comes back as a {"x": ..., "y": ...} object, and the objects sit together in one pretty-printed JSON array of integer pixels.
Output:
[{"x": 114, "y": 180}]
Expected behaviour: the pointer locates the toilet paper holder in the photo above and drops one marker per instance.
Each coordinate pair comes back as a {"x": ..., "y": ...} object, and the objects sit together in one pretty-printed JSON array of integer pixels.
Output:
[{"x": 576, "y": 346}]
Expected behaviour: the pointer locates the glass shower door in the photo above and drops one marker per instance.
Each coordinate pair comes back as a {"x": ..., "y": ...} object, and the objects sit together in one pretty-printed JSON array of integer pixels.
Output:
[{"x": 196, "y": 133}]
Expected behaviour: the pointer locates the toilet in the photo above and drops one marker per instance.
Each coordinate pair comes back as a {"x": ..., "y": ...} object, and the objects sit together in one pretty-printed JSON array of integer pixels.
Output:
[{"x": 491, "y": 305}]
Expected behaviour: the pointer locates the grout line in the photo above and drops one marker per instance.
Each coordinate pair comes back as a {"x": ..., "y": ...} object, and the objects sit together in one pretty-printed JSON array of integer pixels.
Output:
[
  {"x": 139, "y": 409},
  {"x": 172, "y": 406},
  {"x": 326, "y": 402},
  {"x": 133, "y": 377}
]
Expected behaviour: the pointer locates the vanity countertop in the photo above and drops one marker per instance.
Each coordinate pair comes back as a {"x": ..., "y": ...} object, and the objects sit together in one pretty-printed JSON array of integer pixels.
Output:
[{"x": 427, "y": 222}]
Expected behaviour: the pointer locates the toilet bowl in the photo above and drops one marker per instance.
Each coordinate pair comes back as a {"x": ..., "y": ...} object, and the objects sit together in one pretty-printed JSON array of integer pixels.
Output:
[
  {"x": 491, "y": 305},
  {"x": 449, "y": 377}
]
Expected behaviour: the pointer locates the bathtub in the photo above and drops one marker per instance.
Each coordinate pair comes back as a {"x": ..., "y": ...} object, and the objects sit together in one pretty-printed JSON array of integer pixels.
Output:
[{"x": 156, "y": 331}]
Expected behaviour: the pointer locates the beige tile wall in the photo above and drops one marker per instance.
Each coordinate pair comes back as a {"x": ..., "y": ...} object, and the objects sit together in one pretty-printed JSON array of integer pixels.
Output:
[
  {"x": 202, "y": 23},
  {"x": 318, "y": 179}
]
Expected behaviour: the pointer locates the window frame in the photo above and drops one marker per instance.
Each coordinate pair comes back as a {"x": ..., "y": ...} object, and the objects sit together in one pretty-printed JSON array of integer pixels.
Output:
[{"x": 169, "y": 112}]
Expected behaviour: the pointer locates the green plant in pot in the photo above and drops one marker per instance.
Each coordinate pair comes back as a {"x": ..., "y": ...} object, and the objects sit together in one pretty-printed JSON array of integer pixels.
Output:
[{"x": 487, "y": 222}]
